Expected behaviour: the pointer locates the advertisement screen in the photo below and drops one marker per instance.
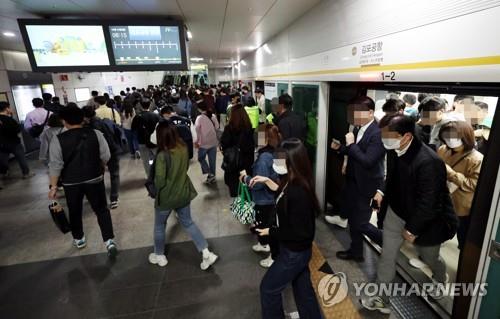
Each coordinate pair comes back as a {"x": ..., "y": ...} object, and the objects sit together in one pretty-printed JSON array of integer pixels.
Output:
[
  {"x": 146, "y": 45},
  {"x": 68, "y": 45}
]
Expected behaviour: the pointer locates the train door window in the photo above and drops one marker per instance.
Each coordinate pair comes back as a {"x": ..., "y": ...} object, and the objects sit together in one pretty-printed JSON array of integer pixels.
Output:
[
  {"x": 305, "y": 103},
  {"x": 463, "y": 158}
]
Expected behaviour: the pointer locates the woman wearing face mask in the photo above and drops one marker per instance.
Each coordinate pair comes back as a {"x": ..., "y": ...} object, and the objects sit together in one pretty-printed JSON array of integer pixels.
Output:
[
  {"x": 297, "y": 207},
  {"x": 463, "y": 164},
  {"x": 262, "y": 196}
]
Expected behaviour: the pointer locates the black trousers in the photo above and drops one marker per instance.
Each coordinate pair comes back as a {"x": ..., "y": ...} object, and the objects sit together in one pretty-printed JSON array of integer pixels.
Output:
[
  {"x": 96, "y": 195},
  {"x": 357, "y": 208},
  {"x": 265, "y": 217}
]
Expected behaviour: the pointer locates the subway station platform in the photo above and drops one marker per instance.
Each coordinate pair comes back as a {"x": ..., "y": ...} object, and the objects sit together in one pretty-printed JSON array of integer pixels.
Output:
[{"x": 44, "y": 276}]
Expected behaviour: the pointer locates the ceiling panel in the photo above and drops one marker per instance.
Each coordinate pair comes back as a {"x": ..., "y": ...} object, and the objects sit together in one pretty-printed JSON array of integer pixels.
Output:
[
  {"x": 222, "y": 29},
  {"x": 155, "y": 7},
  {"x": 107, "y": 7},
  {"x": 49, "y": 6}
]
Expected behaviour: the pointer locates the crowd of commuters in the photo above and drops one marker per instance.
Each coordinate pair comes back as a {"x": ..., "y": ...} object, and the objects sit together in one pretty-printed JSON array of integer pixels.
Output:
[
  {"x": 417, "y": 165},
  {"x": 415, "y": 160}
]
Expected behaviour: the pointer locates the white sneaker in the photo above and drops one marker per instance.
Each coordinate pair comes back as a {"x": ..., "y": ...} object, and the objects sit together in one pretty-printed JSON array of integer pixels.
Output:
[
  {"x": 80, "y": 243},
  {"x": 268, "y": 262},
  {"x": 336, "y": 220},
  {"x": 208, "y": 260},
  {"x": 416, "y": 263},
  {"x": 376, "y": 303},
  {"x": 160, "y": 260},
  {"x": 111, "y": 247},
  {"x": 261, "y": 248}
]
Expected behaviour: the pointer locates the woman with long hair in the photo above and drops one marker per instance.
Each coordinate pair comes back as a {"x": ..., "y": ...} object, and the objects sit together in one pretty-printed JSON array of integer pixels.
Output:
[
  {"x": 237, "y": 136},
  {"x": 262, "y": 196},
  {"x": 128, "y": 115},
  {"x": 174, "y": 192},
  {"x": 297, "y": 207}
]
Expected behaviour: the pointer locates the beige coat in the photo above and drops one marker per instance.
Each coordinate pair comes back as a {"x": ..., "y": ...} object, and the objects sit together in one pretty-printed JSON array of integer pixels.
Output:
[{"x": 464, "y": 173}]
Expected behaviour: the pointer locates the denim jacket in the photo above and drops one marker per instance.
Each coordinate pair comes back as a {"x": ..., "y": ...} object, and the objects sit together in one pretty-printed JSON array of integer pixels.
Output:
[{"x": 263, "y": 166}]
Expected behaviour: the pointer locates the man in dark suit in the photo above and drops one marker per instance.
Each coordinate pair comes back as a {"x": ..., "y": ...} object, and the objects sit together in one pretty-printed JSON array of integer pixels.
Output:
[{"x": 364, "y": 174}]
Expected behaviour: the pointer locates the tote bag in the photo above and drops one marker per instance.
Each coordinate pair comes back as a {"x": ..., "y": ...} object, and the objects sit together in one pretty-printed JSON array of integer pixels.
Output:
[{"x": 242, "y": 207}]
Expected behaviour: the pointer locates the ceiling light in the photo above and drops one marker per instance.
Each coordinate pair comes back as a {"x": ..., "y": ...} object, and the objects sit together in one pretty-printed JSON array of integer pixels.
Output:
[
  {"x": 236, "y": 66},
  {"x": 190, "y": 35},
  {"x": 195, "y": 59},
  {"x": 243, "y": 62},
  {"x": 266, "y": 48},
  {"x": 9, "y": 34}
]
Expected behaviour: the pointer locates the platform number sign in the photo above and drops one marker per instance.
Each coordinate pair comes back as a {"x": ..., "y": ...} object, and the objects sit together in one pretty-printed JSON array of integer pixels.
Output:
[{"x": 388, "y": 76}]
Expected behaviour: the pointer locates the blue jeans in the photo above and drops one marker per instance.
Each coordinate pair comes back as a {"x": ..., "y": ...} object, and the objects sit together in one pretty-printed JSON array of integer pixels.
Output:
[
  {"x": 290, "y": 266},
  {"x": 207, "y": 168},
  {"x": 184, "y": 215},
  {"x": 133, "y": 143}
]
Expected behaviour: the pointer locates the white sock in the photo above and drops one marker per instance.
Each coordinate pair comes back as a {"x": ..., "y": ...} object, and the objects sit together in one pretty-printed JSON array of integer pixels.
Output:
[{"x": 205, "y": 252}]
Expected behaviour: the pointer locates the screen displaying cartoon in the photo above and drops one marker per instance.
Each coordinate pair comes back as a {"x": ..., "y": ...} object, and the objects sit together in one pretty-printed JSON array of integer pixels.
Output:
[
  {"x": 135, "y": 45},
  {"x": 68, "y": 45}
]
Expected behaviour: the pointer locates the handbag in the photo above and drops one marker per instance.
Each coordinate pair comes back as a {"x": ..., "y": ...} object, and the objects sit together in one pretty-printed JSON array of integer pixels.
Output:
[
  {"x": 36, "y": 130},
  {"x": 59, "y": 217},
  {"x": 150, "y": 181},
  {"x": 242, "y": 206}
]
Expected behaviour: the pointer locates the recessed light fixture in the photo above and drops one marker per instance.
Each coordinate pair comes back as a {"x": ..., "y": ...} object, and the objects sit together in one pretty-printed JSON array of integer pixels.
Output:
[
  {"x": 190, "y": 35},
  {"x": 243, "y": 62},
  {"x": 9, "y": 34},
  {"x": 195, "y": 59}
]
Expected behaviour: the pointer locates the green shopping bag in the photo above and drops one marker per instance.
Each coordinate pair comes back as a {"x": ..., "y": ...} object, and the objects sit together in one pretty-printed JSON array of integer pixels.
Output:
[{"x": 242, "y": 206}]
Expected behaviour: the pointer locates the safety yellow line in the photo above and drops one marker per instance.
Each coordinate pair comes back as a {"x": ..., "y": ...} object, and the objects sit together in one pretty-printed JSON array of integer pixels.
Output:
[{"x": 487, "y": 60}]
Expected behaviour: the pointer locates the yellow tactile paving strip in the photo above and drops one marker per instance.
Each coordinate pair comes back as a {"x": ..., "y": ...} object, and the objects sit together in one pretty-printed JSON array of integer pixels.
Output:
[{"x": 345, "y": 308}]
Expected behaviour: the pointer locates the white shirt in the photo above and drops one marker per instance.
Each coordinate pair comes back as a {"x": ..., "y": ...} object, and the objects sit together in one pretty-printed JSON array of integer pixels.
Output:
[
  {"x": 362, "y": 130},
  {"x": 262, "y": 106}
]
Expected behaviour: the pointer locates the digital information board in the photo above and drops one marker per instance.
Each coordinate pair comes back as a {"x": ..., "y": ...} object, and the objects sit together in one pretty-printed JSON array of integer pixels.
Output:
[{"x": 146, "y": 45}]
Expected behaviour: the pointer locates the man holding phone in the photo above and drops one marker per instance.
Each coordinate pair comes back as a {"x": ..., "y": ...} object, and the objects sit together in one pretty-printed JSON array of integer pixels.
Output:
[{"x": 364, "y": 173}]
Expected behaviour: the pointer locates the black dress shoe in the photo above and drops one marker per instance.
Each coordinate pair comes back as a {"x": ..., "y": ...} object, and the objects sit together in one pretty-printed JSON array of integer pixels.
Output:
[{"x": 346, "y": 255}]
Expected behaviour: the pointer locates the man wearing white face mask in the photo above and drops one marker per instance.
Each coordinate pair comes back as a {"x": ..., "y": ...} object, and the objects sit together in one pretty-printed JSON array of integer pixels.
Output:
[
  {"x": 364, "y": 175},
  {"x": 418, "y": 205}
]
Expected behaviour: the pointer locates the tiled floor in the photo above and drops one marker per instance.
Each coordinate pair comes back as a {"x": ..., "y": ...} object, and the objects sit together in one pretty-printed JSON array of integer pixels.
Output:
[{"x": 43, "y": 276}]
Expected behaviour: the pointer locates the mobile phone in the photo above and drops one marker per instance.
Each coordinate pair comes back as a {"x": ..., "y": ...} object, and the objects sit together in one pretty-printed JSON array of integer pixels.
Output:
[{"x": 374, "y": 204}]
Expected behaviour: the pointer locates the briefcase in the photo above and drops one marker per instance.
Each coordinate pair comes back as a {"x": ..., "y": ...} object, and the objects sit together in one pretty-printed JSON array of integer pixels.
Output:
[{"x": 59, "y": 217}]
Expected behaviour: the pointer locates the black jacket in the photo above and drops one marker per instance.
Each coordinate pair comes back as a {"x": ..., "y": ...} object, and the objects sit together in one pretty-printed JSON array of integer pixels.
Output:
[
  {"x": 291, "y": 125},
  {"x": 365, "y": 165},
  {"x": 244, "y": 140},
  {"x": 417, "y": 192},
  {"x": 98, "y": 124},
  {"x": 144, "y": 124},
  {"x": 296, "y": 219},
  {"x": 9, "y": 130}
]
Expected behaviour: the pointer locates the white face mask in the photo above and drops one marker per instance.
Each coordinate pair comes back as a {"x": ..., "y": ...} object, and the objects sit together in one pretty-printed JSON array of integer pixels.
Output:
[
  {"x": 279, "y": 166},
  {"x": 453, "y": 142},
  {"x": 391, "y": 143}
]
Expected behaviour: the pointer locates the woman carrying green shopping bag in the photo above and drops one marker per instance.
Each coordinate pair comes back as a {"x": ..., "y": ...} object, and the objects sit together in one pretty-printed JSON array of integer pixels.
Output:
[{"x": 297, "y": 207}]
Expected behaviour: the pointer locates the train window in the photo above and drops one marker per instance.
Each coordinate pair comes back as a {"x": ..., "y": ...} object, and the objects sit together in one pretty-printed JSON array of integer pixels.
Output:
[
  {"x": 476, "y": 114},
  {"x": 305, "y": 103}
]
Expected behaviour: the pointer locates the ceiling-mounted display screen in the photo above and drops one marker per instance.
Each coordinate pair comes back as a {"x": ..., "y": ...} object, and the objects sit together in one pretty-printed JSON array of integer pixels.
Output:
[
  {"x": 89, "y": 45},
  {"x": 141, "y": 44},
  {"x": 67, "y": 45}
]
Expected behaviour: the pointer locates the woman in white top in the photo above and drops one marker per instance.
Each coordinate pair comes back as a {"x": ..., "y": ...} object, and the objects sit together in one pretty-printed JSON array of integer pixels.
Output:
[
  {"x": 128, "y": 115},
  {"x": 206, "y": 126}
]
